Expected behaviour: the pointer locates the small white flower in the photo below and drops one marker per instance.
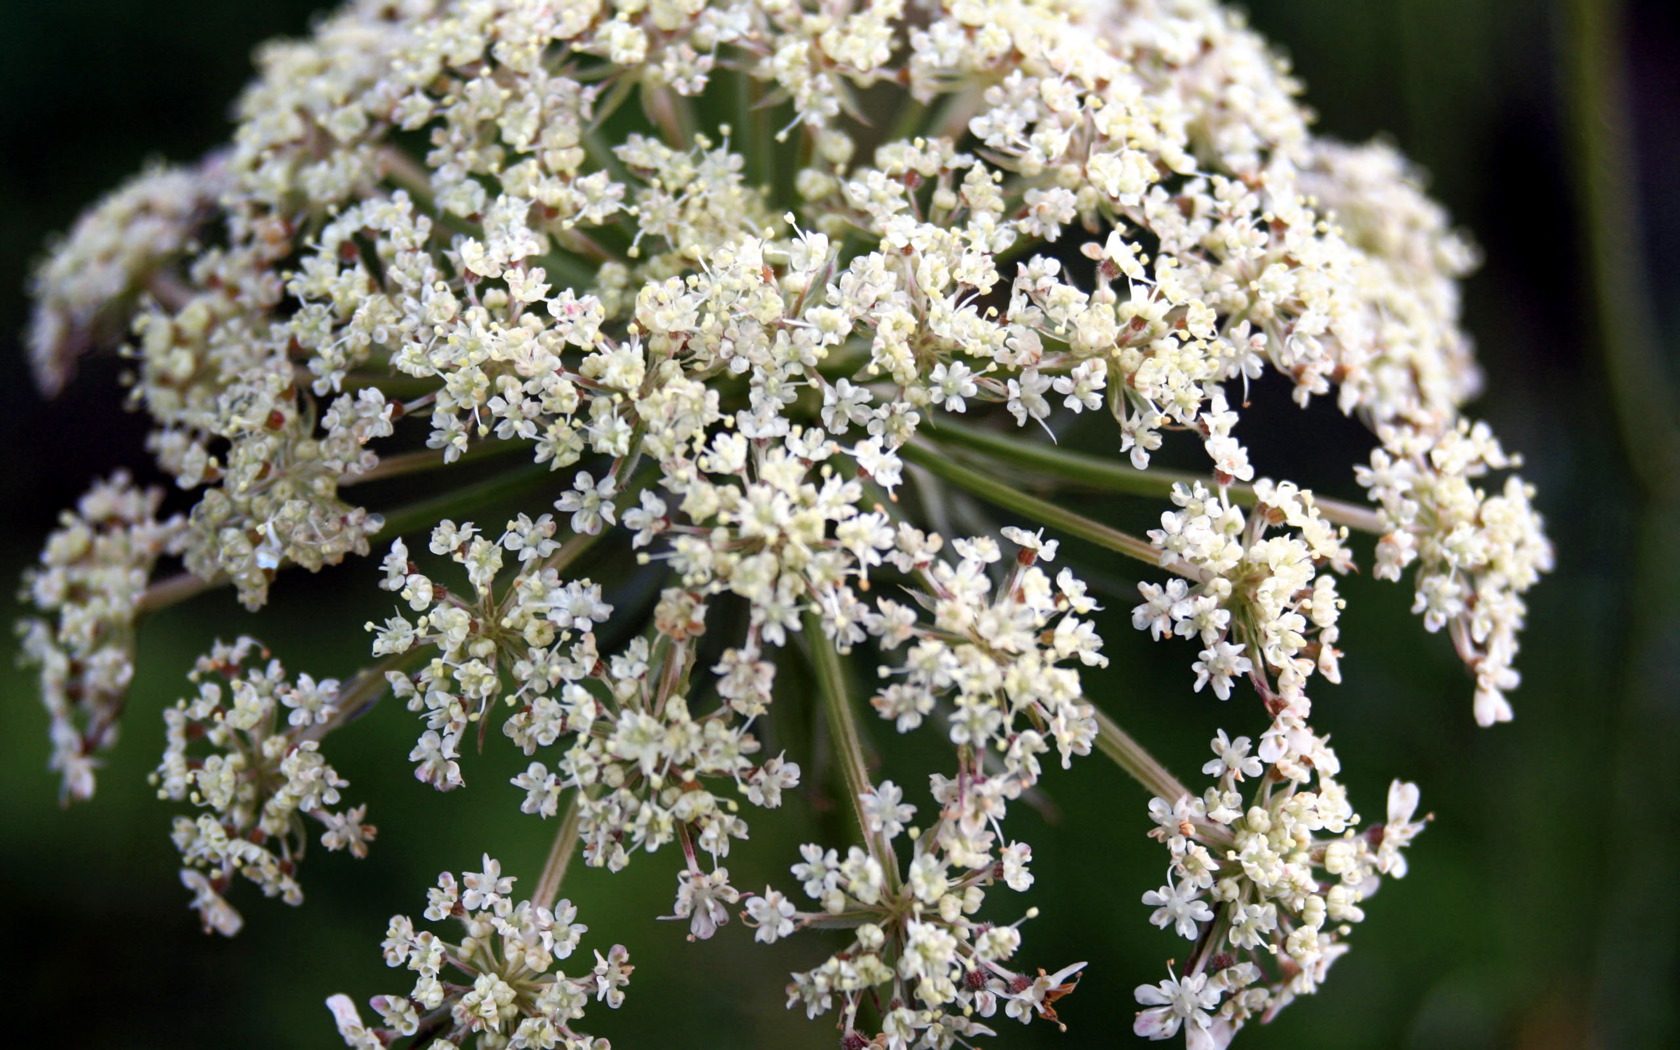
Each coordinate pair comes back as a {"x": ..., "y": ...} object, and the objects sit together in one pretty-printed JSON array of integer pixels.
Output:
[
  {"x": 1233, "y": 758},
  {"x": 486, "y": 890},
  {"x": 703, "y": 899},
  {"x": 883, "y": 809},
  {"x": 1026, "y": 397},
  {"x": 1182, "y": 909},
  {"x": 1220, "y": 664},
  {"x": 1399, "y": 830},
  {"x": 951, "y": 384},
  {"x": 648, "y": 519},
  {"x": 1032, "y": 541},
  {"x": 771, "y": 916},
  {"x": 1173, "y": 1003},
  {"x": 589, "y": 503},
  {"x": 1161, "y": 607}
]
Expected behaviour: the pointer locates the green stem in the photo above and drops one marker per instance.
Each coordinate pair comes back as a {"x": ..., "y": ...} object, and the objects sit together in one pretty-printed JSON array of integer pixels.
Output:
[
  {"x": 404, "y": 463},
  {"x": 559, "y": 855},
  {"x": 409, "y": 174},
  {"x": 1039, "y": 511},
  {"x": 1595, "y": 91},
  {"x": 1139, "y": 764},
  {"x": 672, "y": 113},
  {"x": 1111, "y": 476},
  {"x": 404, "y": 520},
  {"x": 172, "y": 590},
  {"x": 571, "y": 551},
  {"x": 848, "y": 745}
]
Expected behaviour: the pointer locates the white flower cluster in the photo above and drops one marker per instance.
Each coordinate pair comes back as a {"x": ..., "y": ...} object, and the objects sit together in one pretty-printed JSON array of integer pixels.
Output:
[
  {"x": 506, "y": 995},
  {"x": 990, "y": 650},
  {"x": 656, "y": 249},
  {"x": 92, "y": 578},
  {"x": 1266, "y": 591},
  {"x": 257, "y": 782},
  {"x": 918, "y": 946},
  {"x": 1265, "y": 887},
  {"x": 1000, "y": 653},
  {"x": 1476, "y": 553},
  {"x": 621, "y": 722}
]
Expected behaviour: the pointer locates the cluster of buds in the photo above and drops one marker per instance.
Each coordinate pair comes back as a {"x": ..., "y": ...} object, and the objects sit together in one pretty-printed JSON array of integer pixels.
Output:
[{"x": 92, "y": 578}]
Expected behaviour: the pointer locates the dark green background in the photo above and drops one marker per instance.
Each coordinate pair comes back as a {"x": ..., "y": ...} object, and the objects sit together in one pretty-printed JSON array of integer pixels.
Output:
[{"x": 1540, "y": 911}]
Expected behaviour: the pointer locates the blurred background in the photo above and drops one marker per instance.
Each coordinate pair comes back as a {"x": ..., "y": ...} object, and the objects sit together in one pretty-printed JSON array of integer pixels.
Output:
[{"x": 1541, "y": 907}]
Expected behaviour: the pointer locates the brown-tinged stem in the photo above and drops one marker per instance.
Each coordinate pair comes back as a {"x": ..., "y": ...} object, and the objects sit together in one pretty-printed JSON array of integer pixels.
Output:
[
  {"x": 559, "y": 855},
  {"x": 405, "y": 171},
  {"x": 362, "y": 691},
  {"x": 1139, "y": 764},
  {"x": 466, "y": 499},
  {"x": 173, "y": 590}
]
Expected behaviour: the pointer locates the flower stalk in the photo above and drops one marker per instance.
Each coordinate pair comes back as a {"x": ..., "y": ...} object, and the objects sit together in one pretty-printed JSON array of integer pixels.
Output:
[
  {"x": 1039, "y": 461},
  {"x": 421, "y": 461},
  {"x": 1124, "y": 750},
  {"x": 1000, "y": 493},
  {"x": 464, "y": 499},
  {"x": 845, "y": 740},
  {"x": 560, "y": 852},
  {"x": 173, "y": 590}
]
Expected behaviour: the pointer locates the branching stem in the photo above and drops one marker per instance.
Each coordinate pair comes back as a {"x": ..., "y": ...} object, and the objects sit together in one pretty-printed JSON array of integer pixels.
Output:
[
  {"x": 1139, "y": 764},
  {"x": 1040, "y": 511},
  {"x": 403, "y": 464},
  {"x": 174, "y": 590},
  {"x": 848, "y": 745},
  {"x": 361, "y": 692},
  {"x": 463, "y": 500},
  {"x": 1111, "y": 476},
  {"x": 559, "y": 855}
]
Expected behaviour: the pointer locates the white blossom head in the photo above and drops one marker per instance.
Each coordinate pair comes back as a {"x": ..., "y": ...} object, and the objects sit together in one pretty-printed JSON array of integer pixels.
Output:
[{"x": 716, "y": 329}]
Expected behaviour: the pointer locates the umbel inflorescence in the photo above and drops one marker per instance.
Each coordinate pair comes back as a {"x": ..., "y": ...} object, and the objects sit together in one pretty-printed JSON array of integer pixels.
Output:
[{"x": 774, "y": 293}]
